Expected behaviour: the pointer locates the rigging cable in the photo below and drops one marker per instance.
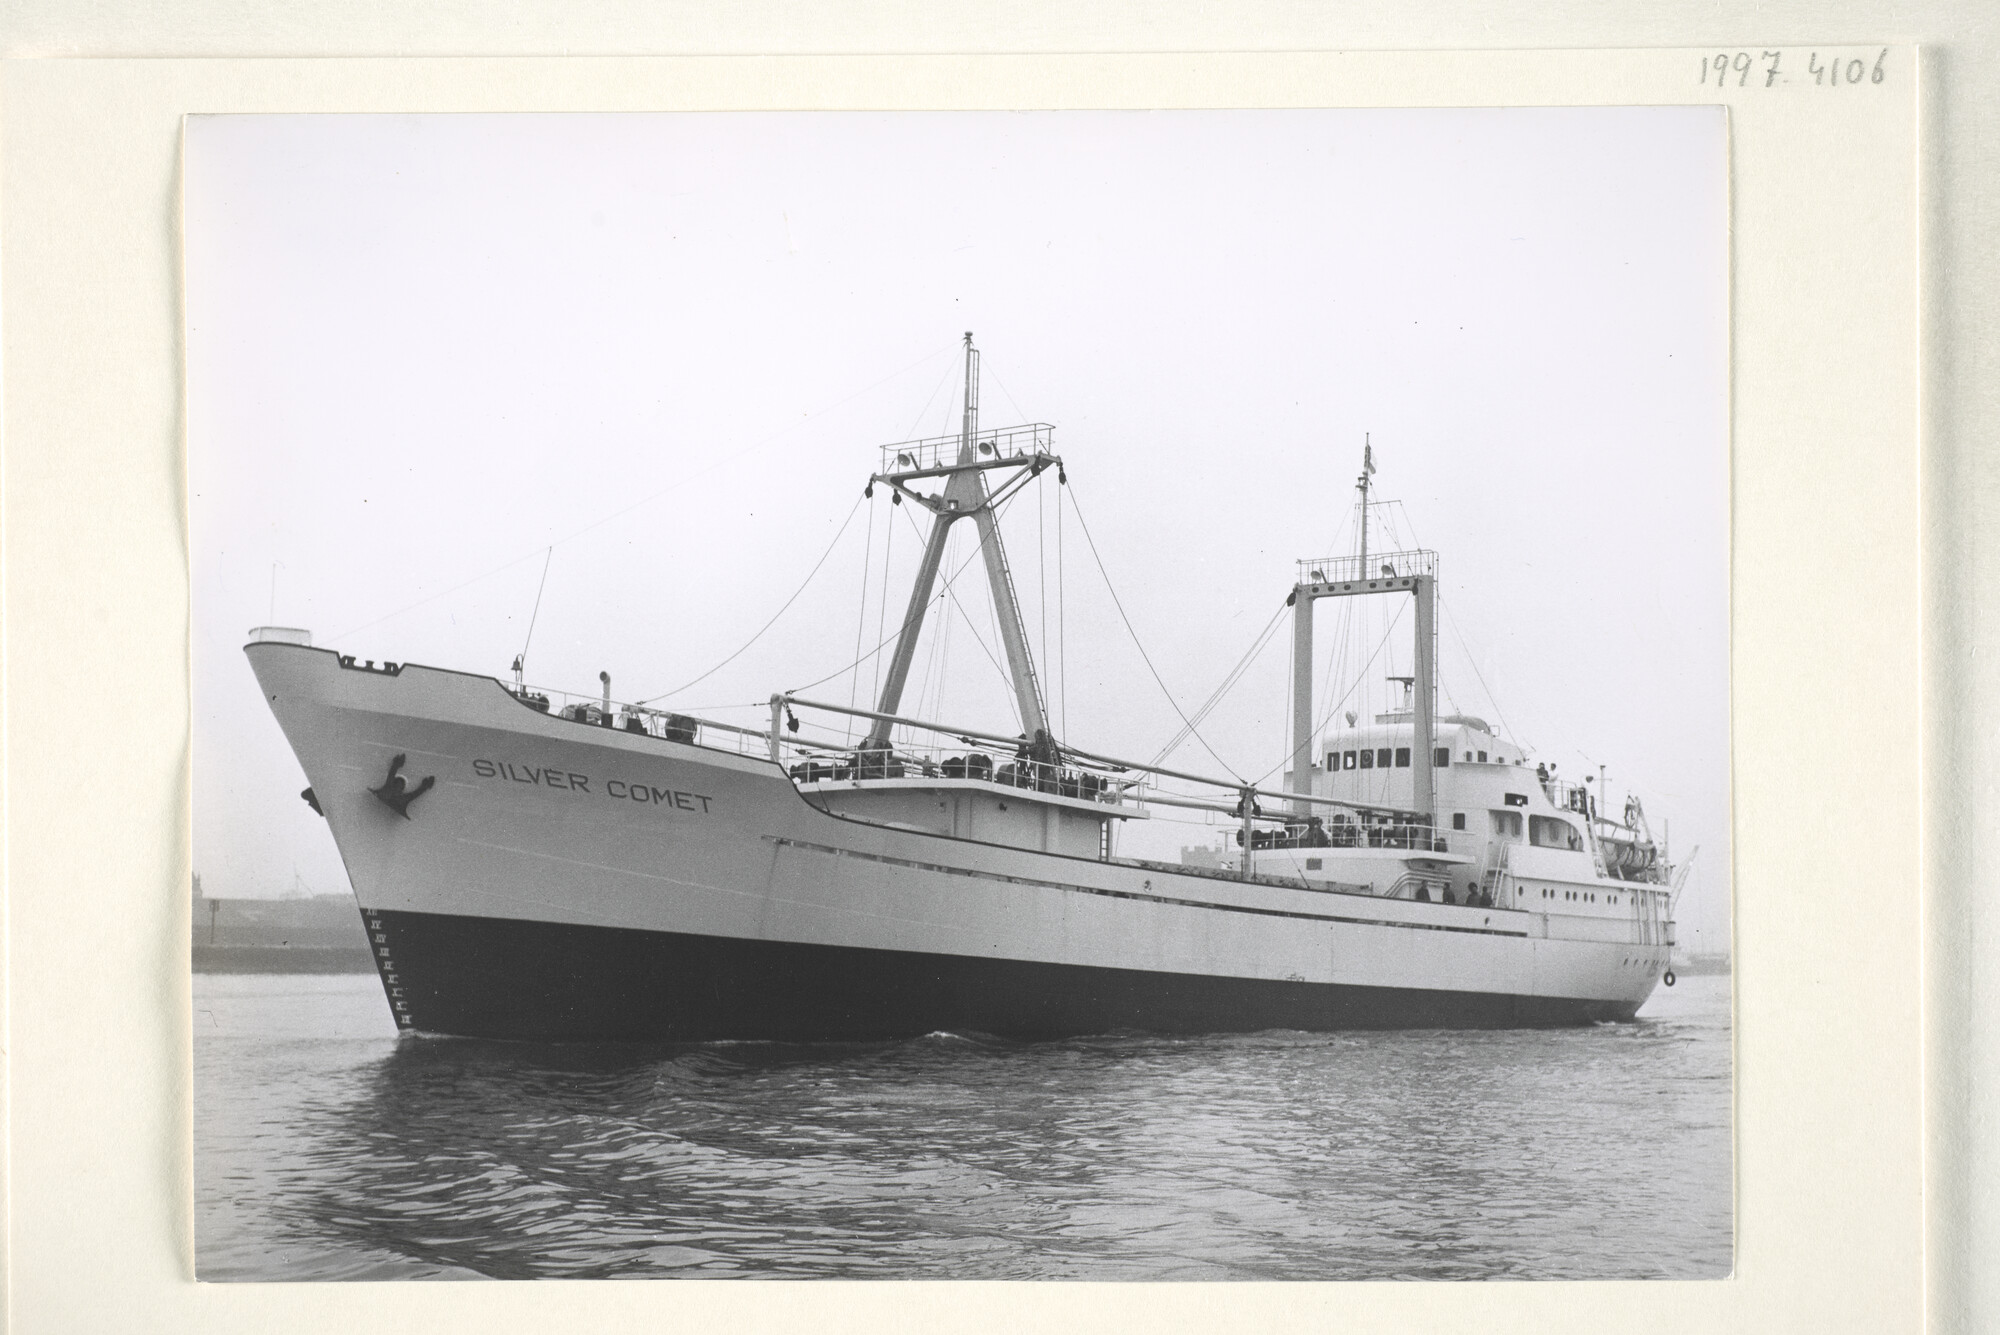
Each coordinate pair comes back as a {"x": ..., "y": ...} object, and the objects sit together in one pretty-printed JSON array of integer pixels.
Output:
[
  {"x": 1478, "y": 676},
  {"x": 924, "y": 705},
  {"x": 949, "y": 368},
  {"x": 1229, "y": 682},
  {"x": 1359, "y": 678},
  {"x": 1465, "y": 648},
  {"x": 1120, "y": 605},
  {"x": 774, "y": 616},
  {"x": 1042, "y": 559},
  {"x": 1292, "y": 685},
  {"x": 861, "y": 617},
  {"x": 675, "y": 485},
  {"x": 1062, "y": 612},
  {"x": 882, "y": 606},
  {"x": 529, "y": 638},
  {"x": 1005, "y": 678},
  {"x": 1336, "y": 653},
  {"x": 886, "y": 640},
  {"x": 986, "y": 368}
]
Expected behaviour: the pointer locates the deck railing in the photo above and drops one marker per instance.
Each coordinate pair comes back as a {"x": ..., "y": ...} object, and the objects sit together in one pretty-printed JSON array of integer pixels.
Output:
[
  {"x": 663, "y": 723},
  {"x": 812, "y": 752},
  {"x": 937, "y": 453},
  {"x": 1354, "y": 569}
]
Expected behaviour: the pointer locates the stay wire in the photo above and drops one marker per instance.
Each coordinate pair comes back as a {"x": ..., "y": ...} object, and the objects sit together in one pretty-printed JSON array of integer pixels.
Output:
[
  {"x": 1480, "y": 677},
  {"x": 884, "y": 641},
  {"x": 1042, "y": 561},
  {"x": 844, "y": 525},
  {"x": 1147, "y": 658},
  {"x": 1062, "y": 616},
  {"x": 949, "y": 368},
  {"x": 648, "y": 499},
  {"x": 1229, "y": 682},
  {"x": 948, "y": 591},
  {"x": 986, "y": 367},
  {"x": 861, "y": 617},
  {"x": 881, "y": 610},
  {"x": 530, "y": 637},
  {"x": 1358, "y": 679},
  {"x": 1416, "y": 540}
]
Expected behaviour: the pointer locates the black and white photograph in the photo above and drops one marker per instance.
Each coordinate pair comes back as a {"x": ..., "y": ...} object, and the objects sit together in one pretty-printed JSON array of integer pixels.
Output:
[{"x": 1055, "y": 695}]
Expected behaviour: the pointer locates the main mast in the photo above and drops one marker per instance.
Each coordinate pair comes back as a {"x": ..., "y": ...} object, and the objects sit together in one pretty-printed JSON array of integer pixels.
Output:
[
  {"x": 962, "y": 463},
  {"x": 1413, "y": 572}
]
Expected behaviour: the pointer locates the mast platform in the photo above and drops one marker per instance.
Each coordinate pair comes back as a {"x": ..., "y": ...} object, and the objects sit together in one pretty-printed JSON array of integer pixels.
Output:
[{"x": 936, "y": 456}]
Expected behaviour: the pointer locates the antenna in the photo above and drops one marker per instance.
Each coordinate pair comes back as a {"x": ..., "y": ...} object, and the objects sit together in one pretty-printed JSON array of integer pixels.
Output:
[
  {"x": 971, "y": 426},
  {"x": 1361, "y": 484}
]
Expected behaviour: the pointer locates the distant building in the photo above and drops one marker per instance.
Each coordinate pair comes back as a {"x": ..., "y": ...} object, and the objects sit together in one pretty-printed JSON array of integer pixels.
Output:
[{"x": 317, "y": 921}]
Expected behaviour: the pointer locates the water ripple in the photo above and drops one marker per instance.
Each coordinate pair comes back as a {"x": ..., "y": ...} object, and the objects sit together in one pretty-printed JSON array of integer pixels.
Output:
[{"x": 349, "y": 1154}]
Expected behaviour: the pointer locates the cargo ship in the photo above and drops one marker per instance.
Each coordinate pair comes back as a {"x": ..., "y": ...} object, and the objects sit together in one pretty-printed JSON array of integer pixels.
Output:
[{"x": 531, "y": 865}]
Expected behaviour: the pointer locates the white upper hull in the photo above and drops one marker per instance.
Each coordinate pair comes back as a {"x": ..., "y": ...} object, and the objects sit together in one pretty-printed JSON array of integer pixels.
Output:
[{"x": 536, "y": 818}]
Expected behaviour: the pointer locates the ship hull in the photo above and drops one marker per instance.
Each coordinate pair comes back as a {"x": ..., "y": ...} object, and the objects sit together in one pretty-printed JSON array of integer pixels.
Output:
[
  {"x": 509, "y": 978},
  {"x": 557, "y": 880}
]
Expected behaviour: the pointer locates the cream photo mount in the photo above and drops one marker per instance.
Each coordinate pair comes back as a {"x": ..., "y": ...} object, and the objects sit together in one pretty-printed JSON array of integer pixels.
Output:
[{"x": 1825, "y": 535}]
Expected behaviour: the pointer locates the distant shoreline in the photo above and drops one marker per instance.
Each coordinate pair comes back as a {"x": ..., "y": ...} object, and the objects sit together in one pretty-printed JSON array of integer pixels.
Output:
[{"x": 283, "y": 959}]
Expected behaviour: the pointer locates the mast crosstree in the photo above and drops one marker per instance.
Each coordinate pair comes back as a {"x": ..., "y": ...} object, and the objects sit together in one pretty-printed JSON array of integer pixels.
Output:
[{"x": 1014, "y": 456}]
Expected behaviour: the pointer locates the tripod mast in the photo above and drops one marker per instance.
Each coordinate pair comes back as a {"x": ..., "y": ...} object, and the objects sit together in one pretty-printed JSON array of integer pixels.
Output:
[{"x": 963, "y": 462}]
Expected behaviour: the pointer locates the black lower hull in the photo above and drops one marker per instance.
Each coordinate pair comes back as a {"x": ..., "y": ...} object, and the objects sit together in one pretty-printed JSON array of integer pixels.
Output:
[{"x": 502, "y": 978}]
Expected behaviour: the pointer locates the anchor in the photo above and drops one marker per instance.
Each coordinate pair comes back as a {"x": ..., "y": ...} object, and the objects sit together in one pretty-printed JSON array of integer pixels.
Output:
[{"x": 396, "y": 792}]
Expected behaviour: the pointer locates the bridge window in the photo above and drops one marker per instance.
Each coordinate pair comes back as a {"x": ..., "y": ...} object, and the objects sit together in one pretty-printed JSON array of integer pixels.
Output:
[
  {"x": 1402, "y": 757},
  {"x": 1347, "y": 760},
  {"x": 1549, "y": 832},
  {"x": 1368, "y": 760},
  {"x": 1441, "y": 758},
  {"x": 1458, "y": 820},
  {"x": 1382, "y": 758},
  {"x": 1482, "y": 757},
  {"x": 1506, "y": 825}
]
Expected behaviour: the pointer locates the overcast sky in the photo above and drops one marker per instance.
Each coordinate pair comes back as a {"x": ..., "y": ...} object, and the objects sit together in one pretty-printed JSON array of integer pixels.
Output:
[{"x": 430, "y": 355}]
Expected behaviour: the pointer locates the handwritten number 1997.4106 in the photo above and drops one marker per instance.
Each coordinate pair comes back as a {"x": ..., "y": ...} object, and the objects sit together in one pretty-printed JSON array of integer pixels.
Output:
[{"x": 1768, "y": 66}]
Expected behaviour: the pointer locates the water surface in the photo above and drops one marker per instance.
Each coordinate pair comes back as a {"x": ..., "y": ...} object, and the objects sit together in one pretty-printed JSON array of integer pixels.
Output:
[{"x": 328, "y": 1148}]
